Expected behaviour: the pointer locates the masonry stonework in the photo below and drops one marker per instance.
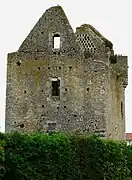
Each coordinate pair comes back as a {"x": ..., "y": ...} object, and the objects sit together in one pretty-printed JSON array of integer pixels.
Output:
[{"x": 78, "y": 87}]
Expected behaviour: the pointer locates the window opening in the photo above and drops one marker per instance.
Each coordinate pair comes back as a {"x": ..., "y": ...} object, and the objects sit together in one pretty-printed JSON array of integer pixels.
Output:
[
  {"x": 113, "y": 59},
  {"x": 18, "y": 63},
  {"x": 22, "y": 125},
  {"x": 51, "y": 127},
  {"x": 55, "y": 87},
  {"x": 122, "y": 108},
  {"x": 56, "y": 41}
]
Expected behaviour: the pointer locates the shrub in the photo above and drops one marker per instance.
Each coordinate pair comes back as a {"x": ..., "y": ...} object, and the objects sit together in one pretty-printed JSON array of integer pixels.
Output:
[
  {"x": 115, "y": 160},
  {"x": 2, "y": 157},
  {"x": 38, "y": 156},
  {"x": 129, "y": 159},
  {"x": 88, "y": 157},
  {"x": 64, "y": 157}
]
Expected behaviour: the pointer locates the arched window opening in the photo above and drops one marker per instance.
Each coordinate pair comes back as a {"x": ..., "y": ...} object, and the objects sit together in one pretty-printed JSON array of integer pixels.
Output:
[{"x": 56, "y": 41}]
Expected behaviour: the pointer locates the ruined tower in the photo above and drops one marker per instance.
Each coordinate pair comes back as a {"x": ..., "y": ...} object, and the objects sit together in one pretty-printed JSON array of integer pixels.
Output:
[{"x": 65, "y": 81}]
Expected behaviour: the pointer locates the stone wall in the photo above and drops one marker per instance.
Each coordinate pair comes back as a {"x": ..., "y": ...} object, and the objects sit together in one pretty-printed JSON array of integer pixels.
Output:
[
  {"x": 30, "y": 105},
  {"x": 118, "y": 83},
  {"x": 88, "y": 81}
]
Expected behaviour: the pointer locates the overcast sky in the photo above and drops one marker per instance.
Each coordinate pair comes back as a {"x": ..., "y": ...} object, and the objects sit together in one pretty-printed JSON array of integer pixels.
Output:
[{"x": 111, "y": 17}]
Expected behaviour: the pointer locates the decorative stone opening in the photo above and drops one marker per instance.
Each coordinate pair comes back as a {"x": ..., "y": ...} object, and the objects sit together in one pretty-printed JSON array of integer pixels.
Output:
[{"x": 86, "y": 44}]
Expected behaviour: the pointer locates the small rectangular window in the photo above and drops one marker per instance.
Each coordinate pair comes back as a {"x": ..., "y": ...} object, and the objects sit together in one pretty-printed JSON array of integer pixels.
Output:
[
  {"x": 56, "y": 41},
  {"x": 51, "y": 126},
  {"x": 55, "y": 87},
  {"x": 122, "y": 109}
]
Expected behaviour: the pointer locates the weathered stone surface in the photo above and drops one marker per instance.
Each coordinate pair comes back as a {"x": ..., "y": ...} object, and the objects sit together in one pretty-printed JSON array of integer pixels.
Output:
[{"x": 91, "y": 90}]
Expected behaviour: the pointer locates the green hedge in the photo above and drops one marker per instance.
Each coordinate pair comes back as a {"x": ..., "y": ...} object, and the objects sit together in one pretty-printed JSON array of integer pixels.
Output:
[
  {"x": 64, "y": 157},
  {"x": 2, "y": 157},
  {"x": 129, "y": 160}
]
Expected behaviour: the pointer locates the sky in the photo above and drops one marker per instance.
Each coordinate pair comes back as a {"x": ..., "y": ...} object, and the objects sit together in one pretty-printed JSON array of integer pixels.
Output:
[{"x": 112, "y": 18}]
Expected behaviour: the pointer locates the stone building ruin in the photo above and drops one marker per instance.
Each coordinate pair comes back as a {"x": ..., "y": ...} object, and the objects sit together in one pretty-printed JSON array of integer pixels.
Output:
[{"x": 59, "y": 80}]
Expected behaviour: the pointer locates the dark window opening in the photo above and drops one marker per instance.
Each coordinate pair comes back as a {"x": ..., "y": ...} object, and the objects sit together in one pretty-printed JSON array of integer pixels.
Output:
[
  {"x": 70, "y": 67},
  {"x": 122, "y": 109},
  {"x": 56, "y": 87},
  {"x": 22, "y": 125},
  {"x": 88, "y": 89},
  {"x": 54, "y": 53},
  {"x": 18, "y": 63},
  {"x": 51, "y": 127},
  {"x": 56, "y": 41},
  {"x": 75, "y": 115},
  {"x": 87, "y": 54},
  {"x": 113, "y": 59}
]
